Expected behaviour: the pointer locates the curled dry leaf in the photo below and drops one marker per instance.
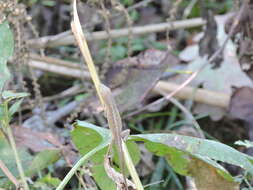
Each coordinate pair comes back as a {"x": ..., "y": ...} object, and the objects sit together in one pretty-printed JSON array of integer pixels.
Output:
[{"x": 136, "y": 76}]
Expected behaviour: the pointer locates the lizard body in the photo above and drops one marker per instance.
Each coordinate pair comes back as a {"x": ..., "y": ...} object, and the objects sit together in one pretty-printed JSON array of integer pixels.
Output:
[{"x": 115, "y": 124}]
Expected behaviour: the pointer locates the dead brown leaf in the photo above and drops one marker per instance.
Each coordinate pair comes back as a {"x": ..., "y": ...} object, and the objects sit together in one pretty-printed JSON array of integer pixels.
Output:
[
  {"x": 39, "y": 141},
  {"x": 241, "y": 104},
  {"x": 132, "y": 78},
  {"x": 36, "y": 141},
  {"x": 206, "y": 177},
  {"x": 136, "y": 76}
]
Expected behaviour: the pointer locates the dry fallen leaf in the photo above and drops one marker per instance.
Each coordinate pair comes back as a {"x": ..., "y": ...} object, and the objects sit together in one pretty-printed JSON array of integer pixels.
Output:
[
  {"x": 241, "y": 107},
  {"x": 132, "y": 78},
  {"x": 220, "y": 79},
  {"x": 39, "y": 141},
  {"x": 35, "y": 141},
  {"x": 136, "y": 76},
  {"x": 241, "y": 104}
]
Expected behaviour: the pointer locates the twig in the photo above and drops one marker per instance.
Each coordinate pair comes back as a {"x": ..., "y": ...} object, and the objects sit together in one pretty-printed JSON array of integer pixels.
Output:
[
  {"x": 189, "y": 115},
  {"x": 7, "y": 172},
  {"x": 18, "y": 161},
  {"x": 51, "y": 117},
  {"x": 67, "y": 33},
  {"x": 63, "y": 70},
  {"x": 139, "y": 4},
  {"x": 186, "y": 112},
  {"x": 55, "y": 61},
  {"x": 202, "y": 95},
  {"x": 76, "y": 89},
  {"x": 67, "y": 38}
]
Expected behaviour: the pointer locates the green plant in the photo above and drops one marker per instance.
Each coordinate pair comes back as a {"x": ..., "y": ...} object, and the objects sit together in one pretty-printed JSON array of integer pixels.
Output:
[
  {"x": 187, "y": 156},
  {"x": 7, "y": 45},
  {"x": 18, "y": 161}
]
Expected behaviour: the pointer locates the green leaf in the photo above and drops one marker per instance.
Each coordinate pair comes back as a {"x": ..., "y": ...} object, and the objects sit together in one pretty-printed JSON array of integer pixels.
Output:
[
  {"x": 87, "y": 137},
  {"x": 158, "y": 45},
  {"x": 138, "y": 47},
  {"x": 7, "y": 156},
  {"x": 6, "y": 41},
  {"x": 101, "y": 178},
  {"x": 81, "y": 96},
  {"x": 49, "y": 180},
  {"x": 13, "y": 109},
  {"x": 43, "y": 160},
  {"x": 6, "y": 50},
  {"x": 2, "y": 113},
  {"x": 179, "y": 149},
  {"x": 246, "y": 143},
  {"x": 118, "y": 52},
  {"x": 9, "y": 95}
]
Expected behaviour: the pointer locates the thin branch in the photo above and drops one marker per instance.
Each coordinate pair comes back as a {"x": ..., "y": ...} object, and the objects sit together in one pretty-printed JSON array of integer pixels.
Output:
[
  {"x": 60, "y": 69},
  {"x": 203, "y": 96},
  {"x": 7, "y": 172},
  {"x": 67, "y": 38},
  {"x": 200, "y": 95},
  {"x": 18, "y": 161}
]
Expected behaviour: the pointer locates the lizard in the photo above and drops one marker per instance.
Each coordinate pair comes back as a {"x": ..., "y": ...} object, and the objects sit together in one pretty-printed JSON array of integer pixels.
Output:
[{"x": 115, "y": 125}]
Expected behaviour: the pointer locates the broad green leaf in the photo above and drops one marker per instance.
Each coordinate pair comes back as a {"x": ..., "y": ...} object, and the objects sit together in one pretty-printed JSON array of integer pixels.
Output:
[
  {"x": 179, "y": 150},
  {"x": 6, "y": 50},
  {"x": 87, "y": 137},
  {"x": 9, "y": 95},
  {"x": 43, "y": 160},
  {"x": 46, "y": 182},
  {"x": 101, "y": 178}
]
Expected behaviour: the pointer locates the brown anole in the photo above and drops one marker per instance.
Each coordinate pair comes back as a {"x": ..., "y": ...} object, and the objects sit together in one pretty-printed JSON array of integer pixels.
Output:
[{"x": 115, "y": 125}]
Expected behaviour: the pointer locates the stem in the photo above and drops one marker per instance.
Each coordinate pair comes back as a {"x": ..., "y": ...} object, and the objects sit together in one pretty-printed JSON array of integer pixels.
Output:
[
  {"x": 7, "y": 172},
  {"x": 13, "y": 146},
  {"x": 66, "y": 38},
  {"x": 75, "y": 167},
  {"x": 131, "y": 167}
]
